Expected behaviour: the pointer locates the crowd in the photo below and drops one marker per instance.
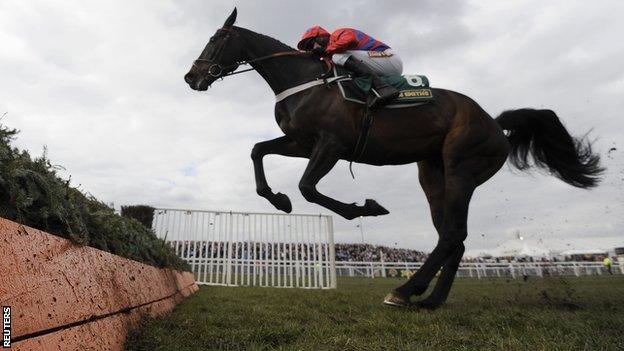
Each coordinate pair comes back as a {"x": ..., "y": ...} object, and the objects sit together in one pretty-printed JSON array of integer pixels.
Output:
[
  {"x": 320, "y": 251},
  {"x": 280, "y": 251},
  {"x": 250, "y": 250},
  {"x": 371, "y": 253}
]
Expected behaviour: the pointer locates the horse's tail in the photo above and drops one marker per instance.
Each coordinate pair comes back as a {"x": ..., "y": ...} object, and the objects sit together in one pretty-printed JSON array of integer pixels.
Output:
[{"x": 541, "y": 134}]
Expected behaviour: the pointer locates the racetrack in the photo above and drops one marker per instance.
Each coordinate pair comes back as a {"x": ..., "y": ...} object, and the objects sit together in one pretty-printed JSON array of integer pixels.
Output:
[{"x": 552, "y": 313}]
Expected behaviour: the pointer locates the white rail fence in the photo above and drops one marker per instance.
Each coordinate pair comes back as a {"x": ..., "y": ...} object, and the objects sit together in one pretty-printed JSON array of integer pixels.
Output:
[
  {"x": 297, "y": 251},
  {"x": 256, "y": 249},
  {"x": 479, "y": 270}
]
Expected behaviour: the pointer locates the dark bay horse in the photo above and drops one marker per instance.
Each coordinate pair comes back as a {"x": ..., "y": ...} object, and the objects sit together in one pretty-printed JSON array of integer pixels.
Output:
[{"x": 457, "y": 145}]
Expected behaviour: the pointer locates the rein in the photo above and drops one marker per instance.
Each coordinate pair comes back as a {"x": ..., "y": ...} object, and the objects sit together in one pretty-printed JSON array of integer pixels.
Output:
[{"x": 216, "y": 70}]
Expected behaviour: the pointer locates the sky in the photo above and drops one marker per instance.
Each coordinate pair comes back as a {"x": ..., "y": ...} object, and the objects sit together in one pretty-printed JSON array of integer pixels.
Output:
[{"x": 100, "y": 85}]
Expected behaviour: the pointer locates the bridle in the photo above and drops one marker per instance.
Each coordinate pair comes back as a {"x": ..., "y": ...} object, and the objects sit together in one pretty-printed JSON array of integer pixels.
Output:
[{"x": 216, "y": 70}]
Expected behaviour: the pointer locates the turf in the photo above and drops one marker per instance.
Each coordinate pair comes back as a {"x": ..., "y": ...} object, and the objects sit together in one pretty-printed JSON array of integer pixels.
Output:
[{"x": 553, "y": 313}]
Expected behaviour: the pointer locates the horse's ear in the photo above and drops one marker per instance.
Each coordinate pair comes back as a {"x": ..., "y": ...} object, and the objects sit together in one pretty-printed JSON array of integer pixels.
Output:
[{"x": 229, "y": 22}]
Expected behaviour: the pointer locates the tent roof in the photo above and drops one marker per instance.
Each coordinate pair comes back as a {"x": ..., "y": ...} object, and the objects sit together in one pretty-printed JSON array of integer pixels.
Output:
[
  {"x": 584, "y": 252},
  {"x": 517, "y": 248}
]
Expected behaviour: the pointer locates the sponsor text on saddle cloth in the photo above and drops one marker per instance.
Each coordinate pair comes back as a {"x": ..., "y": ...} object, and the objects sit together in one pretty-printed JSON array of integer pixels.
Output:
[{"x": 414, "y": 89}]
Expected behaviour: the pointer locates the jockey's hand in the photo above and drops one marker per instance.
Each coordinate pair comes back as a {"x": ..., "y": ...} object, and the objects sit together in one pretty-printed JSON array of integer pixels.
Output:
[{"x": 319, "y": 50}]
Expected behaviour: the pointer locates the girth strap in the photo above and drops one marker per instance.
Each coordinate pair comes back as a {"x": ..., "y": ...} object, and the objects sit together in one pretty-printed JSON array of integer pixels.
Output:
[
  {"x": 305, "y": 86},
  {"x": 367, "y": 121},
  {"x": 360, "y": 146}
]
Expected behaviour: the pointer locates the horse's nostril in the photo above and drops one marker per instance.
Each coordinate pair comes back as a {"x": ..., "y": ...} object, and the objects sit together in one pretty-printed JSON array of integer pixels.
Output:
[{"x": 189, "y": 78}]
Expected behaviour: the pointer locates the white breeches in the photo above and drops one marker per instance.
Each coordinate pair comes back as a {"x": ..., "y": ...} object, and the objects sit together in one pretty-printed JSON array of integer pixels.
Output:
[{"x": 381, "y": 65}]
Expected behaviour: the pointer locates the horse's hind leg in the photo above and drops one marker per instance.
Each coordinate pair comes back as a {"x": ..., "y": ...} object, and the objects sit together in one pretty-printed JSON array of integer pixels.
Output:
[
  {"x": 281, "y": 146},
  {"x": 453, "y": 231},
  {"x": 432, "y": 180},
  {"x": 463, "y": 173},
  {"x": 468, "y": 174},
  {"x": 431, "y": 177},
  {"x": 324, "y": 156},
  {"x": 445, "y": 281}
]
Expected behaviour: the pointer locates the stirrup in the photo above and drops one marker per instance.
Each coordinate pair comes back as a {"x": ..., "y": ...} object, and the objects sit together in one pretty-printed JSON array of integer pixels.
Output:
[{"x": 372, "y": 101}]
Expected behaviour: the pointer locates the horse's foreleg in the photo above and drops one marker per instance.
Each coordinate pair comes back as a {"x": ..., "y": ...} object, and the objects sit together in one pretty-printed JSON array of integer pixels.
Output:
[
  {"x": 281, "y": 146},
  {"x": 323, "y": 158}
]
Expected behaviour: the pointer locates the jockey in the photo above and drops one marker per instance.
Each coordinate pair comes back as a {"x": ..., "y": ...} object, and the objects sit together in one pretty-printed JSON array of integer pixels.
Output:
[{"x": 357, "y": 52}]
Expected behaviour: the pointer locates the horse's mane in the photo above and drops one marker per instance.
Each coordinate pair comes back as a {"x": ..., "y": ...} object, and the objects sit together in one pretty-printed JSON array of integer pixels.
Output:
[{"x": 267, "y": 41}]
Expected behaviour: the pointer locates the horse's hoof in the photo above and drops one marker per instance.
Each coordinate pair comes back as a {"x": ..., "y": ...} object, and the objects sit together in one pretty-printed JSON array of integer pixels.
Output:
[
  {"x": 281, "y": 202},
  {"x": 397, "y": 300},
  {"x": 374, "y": 209}
]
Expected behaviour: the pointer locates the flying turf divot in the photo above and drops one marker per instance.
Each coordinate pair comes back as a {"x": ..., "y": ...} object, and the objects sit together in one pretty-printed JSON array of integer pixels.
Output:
[{"x": 69, "y": 297}]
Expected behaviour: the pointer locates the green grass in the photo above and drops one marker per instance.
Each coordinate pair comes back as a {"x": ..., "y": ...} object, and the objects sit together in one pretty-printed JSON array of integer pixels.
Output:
[{"x": 490, "y": 314}]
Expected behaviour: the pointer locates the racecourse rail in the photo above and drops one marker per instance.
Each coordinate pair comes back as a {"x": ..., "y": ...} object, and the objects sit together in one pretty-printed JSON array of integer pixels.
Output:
[
  {"x": 479, "y": 269},
  {"x": 259, "y": 249},
  {"x": 297, "y": 251}
]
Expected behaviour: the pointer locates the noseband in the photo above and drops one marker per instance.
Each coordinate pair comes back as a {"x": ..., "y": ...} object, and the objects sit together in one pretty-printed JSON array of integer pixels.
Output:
[{"x": 216, "y": 70}]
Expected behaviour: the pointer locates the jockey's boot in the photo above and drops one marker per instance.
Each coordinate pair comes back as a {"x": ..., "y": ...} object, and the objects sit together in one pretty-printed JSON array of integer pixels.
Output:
[{"x": 386, "y": 92}]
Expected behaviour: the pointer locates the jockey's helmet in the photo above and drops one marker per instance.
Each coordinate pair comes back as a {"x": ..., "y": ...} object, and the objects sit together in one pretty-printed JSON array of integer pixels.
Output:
[{"x": 310, "y": 36}]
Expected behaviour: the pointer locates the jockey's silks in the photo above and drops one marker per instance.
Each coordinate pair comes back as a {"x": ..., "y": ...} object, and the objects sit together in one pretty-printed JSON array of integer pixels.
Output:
[{"x": 345, "y": 39}]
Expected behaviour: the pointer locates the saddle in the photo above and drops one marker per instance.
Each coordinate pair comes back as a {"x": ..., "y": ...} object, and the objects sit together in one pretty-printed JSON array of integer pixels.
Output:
[{"x": 414, "y": 89}]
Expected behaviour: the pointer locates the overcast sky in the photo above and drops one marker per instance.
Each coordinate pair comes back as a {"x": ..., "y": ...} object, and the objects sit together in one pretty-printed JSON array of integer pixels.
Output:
[{"x": 101, "y": 85}]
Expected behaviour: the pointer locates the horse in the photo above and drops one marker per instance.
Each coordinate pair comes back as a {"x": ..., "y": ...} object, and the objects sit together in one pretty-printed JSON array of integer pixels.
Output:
[{"x": 455, "y": 143}]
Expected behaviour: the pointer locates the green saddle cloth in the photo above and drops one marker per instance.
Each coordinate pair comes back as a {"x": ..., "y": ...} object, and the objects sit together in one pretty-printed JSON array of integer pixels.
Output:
[{"x": 412, "y": 88}]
